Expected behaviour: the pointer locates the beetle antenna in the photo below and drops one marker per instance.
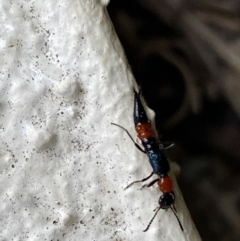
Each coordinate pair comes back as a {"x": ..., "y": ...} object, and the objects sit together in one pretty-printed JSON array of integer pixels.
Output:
[
  {"x": 152, "y": 220},
  {"x": 175, "y": 213}
]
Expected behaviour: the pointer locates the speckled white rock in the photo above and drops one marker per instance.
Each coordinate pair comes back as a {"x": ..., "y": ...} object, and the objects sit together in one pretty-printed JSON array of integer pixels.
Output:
[{"x": 64, "y": 79}]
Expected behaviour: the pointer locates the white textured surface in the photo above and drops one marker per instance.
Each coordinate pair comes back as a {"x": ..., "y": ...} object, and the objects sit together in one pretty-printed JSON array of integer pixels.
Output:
[{"x": 63, "y": 167}]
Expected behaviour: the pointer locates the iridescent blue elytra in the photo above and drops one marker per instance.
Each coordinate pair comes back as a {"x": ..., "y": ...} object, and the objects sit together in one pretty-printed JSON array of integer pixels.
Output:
[{"x": 156, "y": 156}]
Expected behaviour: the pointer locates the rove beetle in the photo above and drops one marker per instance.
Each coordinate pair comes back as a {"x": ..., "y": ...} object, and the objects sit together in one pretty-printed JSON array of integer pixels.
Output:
[{"x": 158, "y": 160}]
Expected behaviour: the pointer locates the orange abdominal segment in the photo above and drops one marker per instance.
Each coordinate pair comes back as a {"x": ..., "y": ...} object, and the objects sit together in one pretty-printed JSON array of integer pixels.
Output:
[
  {"x": 145, "y": 131},
  {"x": 165, "y": 184}
]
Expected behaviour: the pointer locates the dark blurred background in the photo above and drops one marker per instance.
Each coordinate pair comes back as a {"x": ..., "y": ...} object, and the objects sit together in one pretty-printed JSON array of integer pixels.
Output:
[{"x": 186, "y": 57}]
